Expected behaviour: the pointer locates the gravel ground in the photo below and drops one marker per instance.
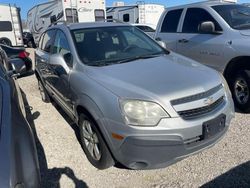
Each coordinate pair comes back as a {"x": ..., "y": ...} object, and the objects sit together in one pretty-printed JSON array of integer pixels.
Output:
[{"x": 63, "y": 163}]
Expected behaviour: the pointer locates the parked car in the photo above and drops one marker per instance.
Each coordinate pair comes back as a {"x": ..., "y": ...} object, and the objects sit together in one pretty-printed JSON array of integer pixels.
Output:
[
  {"x": 18, "y": 54},
  {"x": 146, "y": 28},
  {"x": 134, "y": 102},
  {"x": 18, "y": 154},
  {"x": 28, "y": 40},
  {"x": 215, "y": 34}
]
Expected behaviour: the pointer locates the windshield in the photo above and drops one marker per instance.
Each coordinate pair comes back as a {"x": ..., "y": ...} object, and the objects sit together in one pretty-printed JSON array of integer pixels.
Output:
[
  {"x": 113, "y": 45},
  {"x": 237, "y": 16}
]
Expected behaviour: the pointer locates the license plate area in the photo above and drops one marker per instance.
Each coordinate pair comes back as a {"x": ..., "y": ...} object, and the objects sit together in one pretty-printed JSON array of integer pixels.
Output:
[{"x": 213, "y": 127}]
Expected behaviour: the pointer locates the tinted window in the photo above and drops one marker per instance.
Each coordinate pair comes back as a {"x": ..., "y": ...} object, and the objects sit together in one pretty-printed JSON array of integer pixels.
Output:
[
  {"x": 48, "y": 40},
  {"x": 194, "y": 17},
  {"x": 61, "y": 46},
  {"x": 145, "y": 28},
  {"x": 5, "y": 26},
  {"x": 171, "y": 21},
  {"x": 237, "y": 16},
  {"x": 126, "y": 17}
]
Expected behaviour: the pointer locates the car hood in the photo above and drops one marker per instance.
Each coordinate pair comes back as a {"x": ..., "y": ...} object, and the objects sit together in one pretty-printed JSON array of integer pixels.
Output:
[
  {"x": 245, "y": 32},
  {"x": 164, "y": 77}
]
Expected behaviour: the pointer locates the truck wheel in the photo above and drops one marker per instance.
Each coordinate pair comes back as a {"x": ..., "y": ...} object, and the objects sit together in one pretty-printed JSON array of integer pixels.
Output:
[
  {"x": 93, "y": 144},
  {"x": 44, "y": 95},
  {"x": 5, "y": 41},
  {"x": 240, "y": 87}
]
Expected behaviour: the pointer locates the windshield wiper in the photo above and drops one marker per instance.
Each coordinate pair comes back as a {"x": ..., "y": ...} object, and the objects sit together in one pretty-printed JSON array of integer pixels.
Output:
[
  {"x": 140, "y": 57},
  {"x": 242, "y": 26}
]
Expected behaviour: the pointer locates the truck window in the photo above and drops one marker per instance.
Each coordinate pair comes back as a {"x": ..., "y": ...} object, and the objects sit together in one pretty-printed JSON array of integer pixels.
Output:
[
  {"x": 5, "y": 26},
  {"x": 171, "y": 21},
  {"x": 48, "y": 40},
  {"x": 71, "y": 15},
  {"x": 99, "y": 15},
  {"x": 61, "y": 46},
  {"x": 126, "y": 17},
  {"x": 194, "y": 17}
]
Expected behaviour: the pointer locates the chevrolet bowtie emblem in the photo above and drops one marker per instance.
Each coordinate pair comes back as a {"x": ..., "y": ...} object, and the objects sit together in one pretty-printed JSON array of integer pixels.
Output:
[{"x": 209, "y": 101}]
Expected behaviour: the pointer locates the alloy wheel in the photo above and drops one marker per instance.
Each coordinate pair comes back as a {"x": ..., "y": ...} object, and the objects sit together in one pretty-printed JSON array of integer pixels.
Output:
[
  {"x": 241, "y": 90},
  {"x": 91, "y": 140}
]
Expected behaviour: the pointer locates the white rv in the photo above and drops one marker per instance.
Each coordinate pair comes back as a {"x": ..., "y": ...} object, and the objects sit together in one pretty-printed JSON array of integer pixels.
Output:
[
  {"x": 140, "y": 13},
  {"x": 40, "y": 17},
  {"x": 10, "y": 25}
]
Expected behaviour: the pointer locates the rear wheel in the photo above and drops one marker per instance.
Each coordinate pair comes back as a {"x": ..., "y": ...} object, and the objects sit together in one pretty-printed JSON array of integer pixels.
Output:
[
  {"x": 43, "y": 92},
  {"x": 240, "y": 87},
  {"x": 5, "y": 41},
  {"x": 93, "y": 144}
]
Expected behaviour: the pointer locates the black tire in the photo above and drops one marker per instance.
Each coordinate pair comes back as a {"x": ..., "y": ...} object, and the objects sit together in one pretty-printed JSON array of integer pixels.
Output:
[
  {"x": 30, "y": 44},
  {"x": 240, "y": 88},
  {"x": 5, "y": 41},
  {"x": 105, "y": 160},
  {"x": 44, "y": 94}
]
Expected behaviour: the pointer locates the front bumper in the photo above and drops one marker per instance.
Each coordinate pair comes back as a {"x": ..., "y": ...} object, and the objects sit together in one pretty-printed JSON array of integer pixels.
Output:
[{"x": 172, "y": 140}]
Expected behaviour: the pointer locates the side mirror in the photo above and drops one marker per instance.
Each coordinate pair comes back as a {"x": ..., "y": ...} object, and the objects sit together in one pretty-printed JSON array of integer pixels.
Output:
[
  {"x": 162, "y": 44},
  {"x": 207, "y": 27},
  {"x": 60, "y": 61},
  {"x": 17, "y": 67}
]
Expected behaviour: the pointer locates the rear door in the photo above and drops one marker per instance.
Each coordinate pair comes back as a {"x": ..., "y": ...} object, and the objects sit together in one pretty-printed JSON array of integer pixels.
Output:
[
  {"x": 204, "y": 48},
  {"x": 42, "y": 57},
  {"x": 169, "y": 27}
]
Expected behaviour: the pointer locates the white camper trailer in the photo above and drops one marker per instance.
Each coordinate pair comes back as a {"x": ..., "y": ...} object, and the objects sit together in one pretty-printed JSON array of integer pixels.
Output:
[
  {"x": 140, "y": 13},
  {"x": 40, "y": 17},
  {"x": 10, "y": 25}
]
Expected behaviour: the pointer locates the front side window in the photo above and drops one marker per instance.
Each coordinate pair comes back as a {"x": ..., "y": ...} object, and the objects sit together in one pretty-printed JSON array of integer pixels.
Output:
[
  {"x": 237, "y": 16},
  {"x": 171, "y": 21},
  {"x": 5, "y": 26},
  {"x": 48, "y": 40},
  {"x": 61, "y": 46},
  {"x": 112, "y": 45},
  {"x": 71, "y": 15},
  {"x": 194, "y": 17}
]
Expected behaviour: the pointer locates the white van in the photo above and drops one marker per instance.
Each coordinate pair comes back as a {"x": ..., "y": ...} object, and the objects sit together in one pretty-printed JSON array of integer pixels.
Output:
[
  {"x": 10, "y": 25},
  {"x": 41, "y": 16}
]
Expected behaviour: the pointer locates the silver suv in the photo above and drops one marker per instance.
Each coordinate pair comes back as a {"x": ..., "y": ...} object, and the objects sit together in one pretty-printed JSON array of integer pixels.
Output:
[
  {"x": 216, "y": 34},
  {"x": 134, "y": 102}
]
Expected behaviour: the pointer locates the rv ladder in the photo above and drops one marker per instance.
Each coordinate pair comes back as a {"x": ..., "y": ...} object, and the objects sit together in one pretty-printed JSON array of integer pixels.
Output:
[
  {"x": 142, "y": 11},
  {"x": 15, "y": 24}
]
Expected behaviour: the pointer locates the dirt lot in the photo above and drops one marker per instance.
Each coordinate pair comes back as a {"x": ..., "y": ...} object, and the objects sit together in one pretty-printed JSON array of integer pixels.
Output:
[{"x": 63, "y": 163}]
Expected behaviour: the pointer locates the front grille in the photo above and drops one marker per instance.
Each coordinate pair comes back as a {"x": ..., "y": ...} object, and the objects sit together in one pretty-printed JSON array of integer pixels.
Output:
[
  {"x": 197, "y": 112},
  {"x": 197, "y": 96}
]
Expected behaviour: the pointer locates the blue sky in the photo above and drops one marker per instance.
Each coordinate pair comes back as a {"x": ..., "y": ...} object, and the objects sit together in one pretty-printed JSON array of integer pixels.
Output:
[{"x": 27, "y": 4}]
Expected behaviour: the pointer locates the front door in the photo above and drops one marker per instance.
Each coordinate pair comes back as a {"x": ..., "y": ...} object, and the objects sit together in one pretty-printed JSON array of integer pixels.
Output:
[
  {"x": 60, "y": 78},
  {"x": 204, "y": 48}
]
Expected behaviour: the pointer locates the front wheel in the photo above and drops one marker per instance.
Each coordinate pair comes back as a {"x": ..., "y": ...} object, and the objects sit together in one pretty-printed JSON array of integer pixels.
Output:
[
  {"x": 93, "y": 144},
  {"x": 240, "y": 88}
]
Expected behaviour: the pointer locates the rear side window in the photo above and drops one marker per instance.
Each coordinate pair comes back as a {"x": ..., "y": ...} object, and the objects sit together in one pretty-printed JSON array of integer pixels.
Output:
[
  {"x": 48, "y": 40},
  {"x": 171, "y": 21},
  {"x": 5, "y": 26},
  {"x": 194, "y": 17}
]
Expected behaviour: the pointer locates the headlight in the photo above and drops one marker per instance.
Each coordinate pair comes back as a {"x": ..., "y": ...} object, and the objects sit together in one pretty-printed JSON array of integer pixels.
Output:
[
  {"x": 142, "y": 113},
  {"x": 225, "y": 85}
]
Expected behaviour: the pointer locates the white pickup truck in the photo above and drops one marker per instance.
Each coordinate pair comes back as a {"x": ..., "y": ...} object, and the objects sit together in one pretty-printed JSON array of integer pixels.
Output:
[{"x": 214, "y": 33}]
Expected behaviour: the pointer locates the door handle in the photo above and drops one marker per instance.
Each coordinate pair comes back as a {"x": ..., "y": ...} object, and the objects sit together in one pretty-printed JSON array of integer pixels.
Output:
[
  {"x": 43, "y": 60},
  {"x": 183, "y": 41}
]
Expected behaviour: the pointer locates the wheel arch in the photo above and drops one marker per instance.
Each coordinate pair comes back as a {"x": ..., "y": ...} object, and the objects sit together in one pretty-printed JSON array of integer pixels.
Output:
[{"x": 236, "y": 64}]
